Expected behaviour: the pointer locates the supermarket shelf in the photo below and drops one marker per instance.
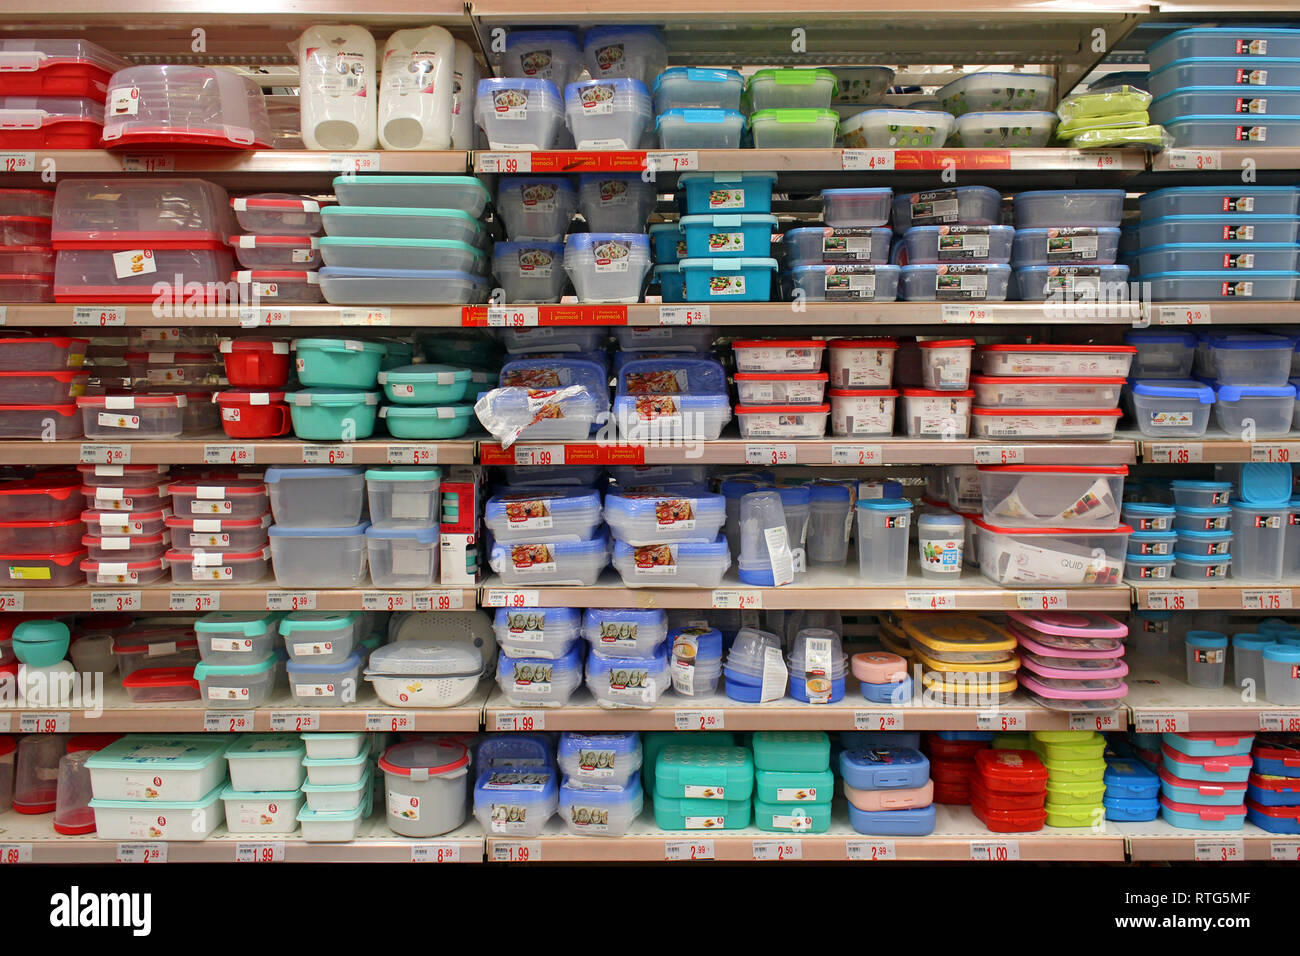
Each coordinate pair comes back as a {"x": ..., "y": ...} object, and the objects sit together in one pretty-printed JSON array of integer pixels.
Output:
[
  {"x": 1179, "y": 594},
  {"x": 1217, "y": 447},
  {"x": 375, "y": 843},
  {"x": 189, "y": 598},
  {"x": 101, "y": 319},
  {"x": 1226, "y": 162},
  {"x": 1160, "y": 698},
  {"x": 1157, "y": 840},
  {"x": 717, "y": 712},
  {"x": 116, "y": 712},
  {"x": 220, "y": 450},
  {"x": 731, "y": 450},
  {"x": 957, "y": 836},
  {"x": 820, "y": 587},
  {"x": 1223, "y": 312}
]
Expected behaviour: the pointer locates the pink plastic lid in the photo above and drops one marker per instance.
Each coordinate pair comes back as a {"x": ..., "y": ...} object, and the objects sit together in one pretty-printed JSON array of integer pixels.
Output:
[
  {"x": 1220, "y": 738},
  {"x": 1205, "y": 813},
  {"x": 1091, "y": 669},
  {"x": 878, "y": 667},
  {"x": 1028, "y": 682},
  {"x": 1202, "y": 787},
  {"x": 1070, "y": 623},
  {"x": 1076, "y": 648}
]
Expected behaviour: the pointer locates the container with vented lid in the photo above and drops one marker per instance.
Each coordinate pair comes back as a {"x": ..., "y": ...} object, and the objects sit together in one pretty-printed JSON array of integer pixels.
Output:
[{"x": 425, "y": 782}]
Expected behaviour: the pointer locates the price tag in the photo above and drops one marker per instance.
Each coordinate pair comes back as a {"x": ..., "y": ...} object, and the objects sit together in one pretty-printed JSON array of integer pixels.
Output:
[
  {"x": 737, "y": 600},
  {"x": 1270, "y": 453},
  {"x": 6, "y": 723},
  {"x": 194, "y": 601},
  {"x": 1162, "y": 722},
  {"x": 4, "y": 314},
  {"x": 376, "y": 316},
  {"x": 101, "y": 316},
  {"x": 92, "y": 454},
  {"x": 1092, "y": 721},
  {"x": 684, "y": 315},
  {"x": 999, "y": 455},
  {"x": 115, "y": 600},
  {"x": 688, "y": 850},
  {"x": 390, "y": 720},
  {"x": 142, "y": 853},
  {"x": 295, "y": 721},
  {"x": 435, "y": 853},
  {"x": 51, "y": 723},
  {"x": 227, "y": 722},
  {"x": 778, "y": 849},
  {"x": 412, "y": 454},
  {"x": 1001, "y": 720},
  {"x": 868, "y": 159},
  {"x": 437, "y": 600},
  {"x": 11, "y": 600},
  {"x": 678, "y": 161},
  {"x": 1173, "y": 454},
  {"x": 259, "y": 852},
  {"x": 1172, "y": 600},
  {"x": 698, "y": 720},
  {"x": 511, "y": 316},
  {"x": 1228, "y": 850},
  {"x": 930, "y": 600},
  {"x": 15, "y": 853},
  {"x": 1198, "y": 159},
  {"x": 509, "y": 720},
  {"x": 327, "y": 454},
  {"x": 995, "y": 851},
  {"x": 17, "y": 162},
  {"x": 954, "y": 313},
  {"x": 254, "y": 318},
  {"x": 771, "y": 454},
  {"x": 229, "y": 454},
  {"x": 355, "y": 162},
  {"x": 501, "y": 597},
  {"x": 870, "y": 851},
  {"x": 857, "y": 455},
  {"x": 504, "y": 162},
  {"x": 877, "y": 720},
  {"x": 517, "y": 851},
  {"x": 1280, "y": 721},
  {"x": 1182, "y": 314},
  {"x": 386, "y": 601},
  {"x": 1041, "y": 600},
  {"x": 1279, "y": 851},
  {"x": 291, "y": 600},
  {"x": 1261, "y": 599},
  {"x": 539, "y": 454},
  {"x": 148, "y": 163}
]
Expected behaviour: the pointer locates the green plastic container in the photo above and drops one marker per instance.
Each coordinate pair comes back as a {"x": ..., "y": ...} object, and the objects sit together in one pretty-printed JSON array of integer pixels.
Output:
[
  {"x": 1075, "y": 771},
  {"x": 427, "y": 421},
  {"x": 1068, "y": 744},
  {"x": 41, "y": 643},
  {"x": 400, "y": 354},
  {"x": 675, "y": 813},
  {"x": 1062, "y": 793},
  {"x": 792, "y": 89},
  {"x": 790, "y": 818},
  {"x": 238, "y": 623},
  {"x": 465, "y": 193},
  {"x": 427, "y": 384},
  {"x": 397, "y": 223},
  {"x": 716, "y": 774},
  {"x": 783, "y": 787},
  {"x": 1081, "y": 816},
  {"x": 338, "y": 363},
  {"x": 802, "y": 751},
  {"x": 333, "y": 414},
  {"x": 655, "y": 742},
  {"x": 1012, "y": 741}
]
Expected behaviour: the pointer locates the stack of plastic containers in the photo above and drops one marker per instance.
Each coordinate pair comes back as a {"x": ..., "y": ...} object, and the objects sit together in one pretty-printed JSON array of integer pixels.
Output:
[
  {"x": 965, "y": 661},
  {"x": 699, "y": 108},
  {"x": 793, "y": 783},
  {"x": 957, "y": 281},
  {"x": 40, "y": 381},
  {"x": 791, "y": 108},
  {"x": 279, "y": 250},
  {"x": 55, "y": 95},
  {"x": 767, "y": 357},
  {"x": 631, "y": 672},
  {"x": 536, "y": 211},
  {"x": 703, "y": 787},
  {"x": 318, "y": 539},
  {"x": 817, "y": 666},
  {"x": 339, "y": 397},
  {"x": 999, "y": 110},
  {"x": 1008, "y": 791},
  {"x": 897, "y": 128},
  {"x": 335, "y": 796},
  {"x": 601, "y": 793},
  {"x": 668, "y": 539},
  {"x": 1132, "y": 790},
  {"x": 26, "y": 253},
  {"x": 1162, "y": 397},
  {"x": 725, "y": 236},
  {"x": 1076, "y": 767},
  {"x": 755, "y": 671},
  {"x": 127, "y": 507},
  {"x": 158, "y": 787},
  {"x": 403, "y": 240},
  {"x": 548, "y": 537},
  {"x": 1202, "y": 243},
  {"x": 228, "y": 555},
  {"x": 1057, "y": 231},
  {"x": 1203, "y": 779},
  {"x": 889, "y": 790},
  {"x": 1252, "y": 395},
  {"x": 672, "y": 398},
  {"x": 846, "y": 258},
  {"x": 1071, "y": 661},
  {"x": 540, "y": 664},
  {"x": 609, "y": 113},
  {"x": 1273, "y": 788},
  {"x": 266, "y": 778}
]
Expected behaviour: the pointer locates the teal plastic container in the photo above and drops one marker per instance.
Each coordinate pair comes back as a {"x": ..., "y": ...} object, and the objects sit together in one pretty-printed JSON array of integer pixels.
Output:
[
  {"x": 783, "y": 787},
  {"x": 802, "y": 751},
  {"x": 338, "y": 363},
  {"x": 728, "y": 280},
  {"x": 792, "y": 818},
  {"x": 331, "y": 414},
  {"x": 713, "y": 774},
  {"x": 400, "y": 354},
  {"x": 427, "y": 422},
  {"x": 677, "y": 813},
  {"x": 655, "y": 742},
  {"x": 425, "y": 255},
  {"x": 427, "y": 384},
  {"x": 41, "y": 643}
]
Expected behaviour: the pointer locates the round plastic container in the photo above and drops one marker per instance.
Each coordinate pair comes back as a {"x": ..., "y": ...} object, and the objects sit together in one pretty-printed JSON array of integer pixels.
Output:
[
  {"x": 883, "y": 538},
  {"x": 425, "y": 783},
  {"x": 1206, "y": 653}
]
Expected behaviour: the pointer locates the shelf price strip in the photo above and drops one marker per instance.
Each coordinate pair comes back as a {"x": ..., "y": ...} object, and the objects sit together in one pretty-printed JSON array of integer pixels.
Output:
[
  {"x": 259, "y": 853},
  {"x": 1162, "y": 722},
  {"x": 1041, "y": 600},
  {"x": 141, "y": 853},
  {"x": 870, "y": 851},
  {"x": 1253, "y": 599},
  {"x": 226, "y": 722},
  {"x": 688, "y": 850},
  {"x": 1270, "y": 453},
  {"x": 517, "y": 851},
  {"x": 878, "y": 720},
  {"x": 930, "y": 600},
  {"x": 98, "y": 454},
  {"x": 861, "y": 455},
  {"x": 42, "y": 723},
  {"x": 777, "y": 850},
  {"x": 15, "y": 853},
  {"x": 509, "y": 720},
  {"x": 995, "y": 851},
  {"x": 1091, "y": 721},
  {"x": 291, "y": 600},
  {"x": 229, "y": 454},
  {"x": 1280, "y": 721},
  {"x": 1284, "y": 851},
  {"x": 392, "y": 721},
  {"x": 1229, "y": 850},
  {"x": 1002, "y": 720},
  {"x": 435, "y": 853},
  {"x": 11, "y": 600},
  {"x": 698, "y": 720},
  {"x": 771, "y": 454},
  {"x": 1174, "y": 454},
  {"x": 115, "y": 600},
  {"x": 295, "y": 721},
  {"x": 1181, "y": 600},
  {"x": 194, "y": 601}
]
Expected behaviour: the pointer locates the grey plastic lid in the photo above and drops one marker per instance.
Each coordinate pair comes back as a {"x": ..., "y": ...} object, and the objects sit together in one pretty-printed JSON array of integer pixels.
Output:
[{"x": 428, "y": 658}]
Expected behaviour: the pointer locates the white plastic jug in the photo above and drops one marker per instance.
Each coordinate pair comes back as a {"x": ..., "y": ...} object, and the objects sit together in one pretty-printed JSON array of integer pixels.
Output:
[
  {"x": 416, "y": 86},
  {"x": 336, "y": 67},
  {"x": 464, "y": 82}
]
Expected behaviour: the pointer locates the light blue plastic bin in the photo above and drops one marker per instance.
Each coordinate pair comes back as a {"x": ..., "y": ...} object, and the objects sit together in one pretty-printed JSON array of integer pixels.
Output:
[
  {"x": 1248, "y": 103},
  {"x": 1085, "y": 245},
  {"x": 338, "y": 363},
  {"x": 728, "y": 280},
  {"x": 1242, "y": 40},
  {"x": 672, "y": 284},
  {"x": 728, "y": 193},
  {"x": 846, "y": 282},
  {"x": 1235, "y": 130},
  {"x": 1203, "y": 818},
  {"x": 1148, "y": 568},
  {"x": 1247, "y": 72},
  {"x": 668, "y": 242},
  {"x": 1223, "y": 284},
  {"x": 1200, "y": 794},
  {"x": 1234, "y": 228},
  {"x": 1071, "y": 283},
  {"x": 689, "y": 87},
  {"x": 1210, "y": 257},
  {"x": 1220, "y": 201},
  {"x": 729, "y": 236}
]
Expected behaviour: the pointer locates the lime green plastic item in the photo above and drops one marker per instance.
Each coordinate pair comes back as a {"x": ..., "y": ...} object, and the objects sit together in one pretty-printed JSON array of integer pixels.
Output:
[
  {"x": 1152, "y": 137},
  {"x": 1115, "y": 121},
  {"x": 241, "y": 623},
  {"x": 792, "y": 818},
  {"x": 675, "y": 813},
  {"x": 655, "y": 742},
  {"x": 802, "y": 751},
  {"x": 1119, "y": 99},
  {"x": 795, "y": 117},
  {"x": 1069, "y": 745},
  {"x": 1075, "y": 771},
  {"x": 427, "y": 384},
  {"x": 786, "y": 788},
  {"x": 427, "y": 421},
  {"x": 717, "y": 774},
  {"x": 1011, "y": 741},
  {"x": 330, "y": 414},
  {"x": 796, "y": 77},
  {"x": 1075, "y": 816},
  {"x": 41, "y": 643},
  {"x": 338, "y": 363},
  {"x": 1063, "y": 794}
]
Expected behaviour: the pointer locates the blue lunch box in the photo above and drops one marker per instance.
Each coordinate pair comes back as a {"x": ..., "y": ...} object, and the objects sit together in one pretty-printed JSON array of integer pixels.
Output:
[
  {"x": 1130, "y": 780},
  {"x": 1274, "y": 819},
  {"x": 1153, "y": 543},
  {"x": 916, "y": 822},
  {"x": 1188, "y": 817},
  {"x": 726, "y": 192},
  {"x": 872, "y": 739},
  {"x": 1273, "y": 791},
  {"x": 1210, "y": 743},
  {"x": 884, "y": 768},
  {"x": 1198, "y": 793},
  {"x": 728, "y": 280},
  {"x": 1130, "y": 809},
  {"x": 1217, "y": 769},
  {"x": 728, "y": 236},
  {"x": 896, "y": 693}
]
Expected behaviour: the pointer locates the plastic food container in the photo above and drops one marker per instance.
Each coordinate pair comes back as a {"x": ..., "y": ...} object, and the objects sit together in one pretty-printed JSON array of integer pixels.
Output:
[
  {"x": 814, "y": 245},
  {"x": 1004, "y": 129},
  {"x": 379, "y": 222},
  {"x": 1058, "y": 391},
  {"x": 322, "y": 637},
  {"x": 318, "y": 557},
  {"x": 425, "y": 786},
  {"x": 572, "y": 562},
  {"x": 728, "y": 280},
  {"x": 624, "y": 632},
  {"x": 897, "y": 128},
  {"x": 1201, "y": 543},
  {"x": 1082, "y": 245},
  {"x": 1173, "y": 408},
  {"x": 681, "y": 564},
  {"x": 933, "y": 244},
  {"x": 1045, "y": 423},
  {"x": 628, "y": 682},
  {"x": 316, "y": 497},
  {"x": 782, "y": 421},
  {"x": 1232, "y": 283},
  {"x": 1060, "y": 556},
  {"x": 540, "y": 681},
  {"x": 1252, "y": 359},
  {"x": 862, "y": 412},
  {"x": 721, "y": 235},
  {"x": 607, "y": 267},
  {"x": 421, "y": 255},
  {"x": 794, "y": 128},
  {"x": 185, "y": 106},
  {"x": 543, "y": 515},
  {"x": 158, "y": 767},
  {"x": 962, "y": 281},
  {"x": 610, "y": 113},
  {"x": 964, "y": 205},
  {"x": 694, "y": 88},
  {"x": 238, "y": 686},
  {"x": 1162, "y": 354},
  {"x": 1207, "y": 655},
  {"x": 516, "y": 802},
  {"x": 600, "y": 809},
  {"x": 775, "y": 89},
  {"x": 276, "y": 252},
  {"x": 335, "y": 826},
  {"x": 845, "y": 282},
  {"x": 256, "y": 363},
  {"x": 1269, "y": 409},
  {"x": 403, "y": 557},
  {"x": 400, "y": 286},
  {"x": 237, "y": 499},
  {"x": 530, "y": 270},
  {"x": 536, "y": 632},
  {"x": 1047, "y": 208},
  {"x": 727, "y": 192},
  {"x": 326, "y": 414},
  {"x": 1039, "y": 495},
  {"x": 519, "y": 113},
  {"x": 997, "y": 91},
  {"x": 424, "y": 673},
  {"x": 133, "y": 500},
  {"x": 266, "y": 762},
  {"x": 928, "y": 413},
  {"x": 99, "y": 548},
  {"x": 1063, "y": 360},
  {"x": 278, "y": 214},
  {"x": 234, "y": 637},
  {"x": 635, "y": 51},
  {"x": 1281, "y": 665},
  {"x": 648, "y": 519},
  {"x": 25, "y": 354},
  {"x": 137, "y": 417},
  {"x": 536, "y": 208},
  {"x": 1071, "y": 283},
  {"x": 778, "y": 355}
]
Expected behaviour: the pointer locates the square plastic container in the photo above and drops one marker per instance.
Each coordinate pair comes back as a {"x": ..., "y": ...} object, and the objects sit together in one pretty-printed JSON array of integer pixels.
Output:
[
  {"x": 1252, "y": 359},
  {"x": 219, "y": 567},
  {"x": 316, "y": 497},
  {"x": 1162, "y": 354},
  {"x": 1268, "y": 409},
  {"x": 266, "y": 762},
  {"x": 1064, "y": 360},
  {"x": 1052, "y": 556},
  {"x": 607, "y": 267},
  {"x": 1260, "y": 532},
  {"x": 575, "y": 562},
  {"x": 403, "y": 497},
  {"x": 323, "y": 637},
  {"x": 539, "y": 681},
  {"x": 680, "y": 564},
  {"x": 236, "y": 500},
  {"x": 611, "y": 113},
  {"x": 844, "y": 282},
  {"x": 318, "y": 557},
  {"x": 624, "y": 632},
  {"x": 967, "y": 282},
  {"x": 530, "y": 270},
  {"x": 1048, "y": 208},
  {"x": 696, "y": 88},
  {"x": 1047, "y": 495},
  {"x": 519, "y": 113},
  {"x": 862, "y": 413},
  {"x": 547, "y": 633},
  {"x": 134, "y": 417},
  {"x": 516, "y": 802},
  {"x": 814, "y": 245},
  {"x": 897, "y": 129},
  {"x": 1172, "y": 408},
  {"x": 403, "y": 557},
  {"x": 720, "y": 235},
  {"x": 782, "y": 421},
  {"x": 735, "y": 193},
  {"x": 932, "y": 244},
  {"x": 279, "y": 214},
  {"x": 700, "y": 129},
  {"x": 261, "y": 812},
  {"x": 778, "y": 355},
  {"x": 238, "y": 686},
  {"x": 1025, "y": 129},
  {"x": 794, "y": 128},
  {"x": 928, "y": 413},
  {"x": 728, "y": 280},
  {"x": 964, "y": 205},
  {"x": 856, "y": 208},
  {"x": 776, "y": 89},
  {"x": 312, "y": 682},
  {"x": 158, "y": 767},
  {"x": 1045, "y": 423},
  {"x": 235, "y": 637}
]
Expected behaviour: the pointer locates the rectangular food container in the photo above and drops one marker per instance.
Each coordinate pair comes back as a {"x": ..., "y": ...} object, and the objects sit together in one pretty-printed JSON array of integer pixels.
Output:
[
  {"x": 35, "y": 421},
  {"x": 266, "y": 762},
  {"x": 652, "y": 518},
  {"x": 1045, "y": 495},
  {"x": 700, "y": 128},
  {"x": 881, "y": 128},
  {"x": 1052, "y": 556},
  {"x": 725, "y": 235},
  {"x": 811, "y": 245},
  {"x": 133, "y": 417},
  {"x": 312, "y": 682},
  {"x": 778, "y": 355},
  {"x": 1244, "y": 229},
  {"x": 1162, "y": 354},
  {"x": 844, "y": 282},
  {"x": 258, "y": 812},
  {"x": 928, "y": 413},
  {"x": 781, "y": 388},
  {"x": 794, "y": 128},
  {"x": 235, "y": 637},
  {"x": 543, "y": 516},
  {"x": 1045, "y": 423},
  {"x": 1268, "y": 410},
  {"x": 967, "y": 282},
  {"x": 243, "y": 535},
  {"x": 159, "y": 767},
  {"x": 1246, "y": 358},
  {"x": 316, "y": 497},
  {"x": 237, "y": 686},
  {"x": 123, "y": 572},
  {"x": 403, "y": 557},
  {"x": 862, "y": 413},
  {"x": 235, "y": 500},
  {"x": 1224, "y": 284},
  {"x": 962, "y": 205},
  {"x": 782, "y": 421},
  {"x": 728, "y": 280},
  {"x": 219, "y": 567},
  {"x": 1048, "y": 208},
  {"x": 318, "y": 557},
  {"x": 186, "y": 821},
  {"x": 1062, "y": 360},
  {"x": 1066, "y": 245},
  {"x": 1071, "y": 283},
  {"x": 1041, "y": 392},
  {"x": 681, "y": 564},
  {"x": 1172, "y": 408},
  {"x": 727, "y": 192},
  {"x": 696, "y": 88},
  {"x": 933, "y": 244},
  {"x": 571, "y": 562}
]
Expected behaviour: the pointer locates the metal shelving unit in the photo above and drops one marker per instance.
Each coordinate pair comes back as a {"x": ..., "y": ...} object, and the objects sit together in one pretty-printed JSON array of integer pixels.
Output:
[{"x": 266, "y": 597}]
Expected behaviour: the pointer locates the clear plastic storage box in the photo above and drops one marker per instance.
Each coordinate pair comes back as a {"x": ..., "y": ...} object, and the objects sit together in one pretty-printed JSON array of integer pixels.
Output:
[
  {"x": 963, "y": 205},
  {"x": 897, "y": 129},
  {"x": 571, "y": 562},
  {"x": 318, "y": 557}
]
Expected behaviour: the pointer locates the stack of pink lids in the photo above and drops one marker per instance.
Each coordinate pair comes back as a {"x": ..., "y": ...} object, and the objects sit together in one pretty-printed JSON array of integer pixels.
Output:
[{"x": 1071, "y": 660}]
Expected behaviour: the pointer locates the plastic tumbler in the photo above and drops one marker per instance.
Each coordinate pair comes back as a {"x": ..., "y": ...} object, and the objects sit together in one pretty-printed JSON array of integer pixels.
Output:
[
  {"x": 883, "y": 538},
  {"x": 829, "y": 524}
]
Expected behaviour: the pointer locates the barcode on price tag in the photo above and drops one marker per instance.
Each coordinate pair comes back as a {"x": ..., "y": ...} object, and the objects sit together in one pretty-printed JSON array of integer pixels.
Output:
[
  {"x": 778, "y": 849},
  {"x": 1284, "y": 851},
  {"x": 698, "y": 720},
  {"x": 435, "y": 853},
  {"x": 868, "y": 159},
  {"x": 226, "y": 722},
  {"x": 1229, "y": 850},
  {"x": 1259, "y": 599},
  {"x": 52, "y": 723},
  {"x": 93, "y": 454},
  {"x": 1198, "y": 159},
  {"x": 1162, "y": 722},
  {"x": 386, "y": 601},
  {"x": 102, "y": 316},
  {"x": 11, "y": 600},
  {"x": 877, "y": 720},
  {"x": 930, "y": 600},
  {"x": 1174, "y": 454},
  {"x": 539, "y": 454},
  {"x": 15, "y": 853},
  {"x": 1280, "y": 721},
  {"x": 115, "y": 600},
  {"x": 688, "y": 849},
  {"x": 1184, "y": 600},
  {"x": 437, "y": 600},
  {"x": 1002, "y": 720},
  {"x": 291, "y": 600},
  {"x": 501, "y": 597},
  {"x": 504, "y": 162},
  {"x": 1182, "y": 314},
  {"x": 684, "y": 315},
  {"x": 857, "y": 455},
  {"x": 771, "y": 454},
  {"x": 141, "y": 853},
  {"x": 229, "y": 454},
  {"x": 1270, "y": 453},
  {"x": 870, "y": 851},
  {"x": 673, "y": 162},
  {"x": 517, "y": 851},
  {"x": 1000, "y": 455},
  {"x": 393, "y": 721},
  {"x": 412, "y": 454},
  {"x": 259, "y": 853},
  {"x": 729, "y": 600},
  {"x": 511, "y": 316},
  {"x": 954, "y": 313},
  {"x": 355, "y": 162},
  {"x": 995, "y": 851},
  {"x": 148, "y": 163},
  {"x": 194, "y": 601},
  {"x": 1092, "y": 721},
  {"x": 383, "y": 316},
  {"x": 1041, "y": 600},
  {"x": 327, "y": 454},
  {"x": 511, "y": 720},
  {"x": 295, "y": 721}
]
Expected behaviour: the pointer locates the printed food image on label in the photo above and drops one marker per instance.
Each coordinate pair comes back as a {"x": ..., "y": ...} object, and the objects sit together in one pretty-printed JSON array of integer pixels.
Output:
[
  {"x": 536, "y": 263},
  {"x": 529, "y": 513},
  {"x": 536, "y": 63},
  {"x": 612, "y": 256},
  {"x": 655, "y": 558},
  {"x": 535, "y": 677},
  {"x": 538, "y": 197},
  {"x": 613, "y": 632},
  {"x": 596, "y": 761},
  {"x": 533, "y": 557},
  {"x": 675, "y": 512},
  {"x": 726, "y": 198},
  {"x": 532, "y": 378},
  {"x": 595, "y": 819},
  {"x": 510, "y": 104},
  {"x": 726, "y": 285},
  {"x": 660, "y": 382},
  {"x": 597, "y": 100},
  {"x": 653, "y": 408},
  {"x": 610, "y": 59}
]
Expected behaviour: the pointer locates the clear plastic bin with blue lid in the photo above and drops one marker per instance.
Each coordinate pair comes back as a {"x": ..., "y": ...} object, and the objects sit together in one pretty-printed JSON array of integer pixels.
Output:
[
  {"x": 538, "y": 631},
  {"x": 1243, "y": 40},
  {"x": 609, "y": 757},
  {"x": 1209, "y": 257},
  {"x": 465, "y": 193},
  {"x": 536, "y": 208},
  {"x": 600, "y": 809},
  {"x": 515, "y": 750},
  {"x": 624, "y": 632},
  {"x": 519, "y": 112},
  {"x": 1071, "y": 283},
  {"x": 1268, "y": 409},
  {"x": 554, "y": 55},
  {"x": 1230, "y": 129},
  {"x": 1066, "y": 245},
  {"x": 1233, "y": 229},
  {"x": 701, "y": 128},
  {"x": 517, "y": 802},
  {"x": 677, "y": 395},
  {"x": 618, "y": 682},
  {"x": 677, "y": 564},
  {"x": 682, "y": 87},
  {"x": 810, "y": 245},
  {"x": 544, "y": 516},
  {"x": 1244, "y": 200},
  {"x": 439, "y": 255},
  {"x": 1223, "y": 284},
  {"x": 560, "y": 562},
  {"x": 1068, "y": 207},
  {"x": 930, "y": 244},
  {"x": 540, "y": 681},
  {"x": 646, "y": 518}
]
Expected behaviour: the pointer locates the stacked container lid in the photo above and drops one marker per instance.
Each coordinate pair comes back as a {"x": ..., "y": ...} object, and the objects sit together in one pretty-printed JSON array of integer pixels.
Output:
[
  {"x": 219, "y": 531},
  {"x": 1132, "y": 790},
  {"x": 318, "y": 538},
  {"x": 1066, "y": 244},
  {"x": 1008, "y": 791},
  {"x": 548, "y": 537},
  {"x": 721, "y": 248},
  {"x": 973, "y": 265},
  {"x": 339, "y": 790},
  {"x": 769, "y": 361},
  {"x": 700, "y": 787},
  {"x": 846, "y": 258},
  {"x": 952, "y": 756},
  {"x": 1203, "y": 779},
  {"x": 279, "y": 250},
  {"x": 26, "y": 253},
  {"x": 41, "y": 380},
  {"x": 126, "y": 537},
  {"x": 1071, "y": 661},
  {"x": 965, "y": 661}
]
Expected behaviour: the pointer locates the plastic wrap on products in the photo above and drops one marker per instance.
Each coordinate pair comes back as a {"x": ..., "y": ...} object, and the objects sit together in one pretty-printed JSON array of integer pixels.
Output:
[
  {"x": 1052, "y": 556},
  {"x": 563, "y": 562},
  {"x": 1025, "y": 129},
  {"x": 543, "y": 516},
  {"x": 554, "y": 55},
  {"x": 336, "y": 65},
  {"x": 679, "y": 564},
  {"x": 897, "y": 129},
  {"x": 519, "y": 113},
  {"x": 540, "y": 681},
  {"x": 554, "y": 373},
  {"x": 997, "y": 91},
  {"x": 516, "y": 802},
  {"x": 557, "y": 414},
  {"x": 186, "y": 106},
  {"x": 636, "y": 682}
]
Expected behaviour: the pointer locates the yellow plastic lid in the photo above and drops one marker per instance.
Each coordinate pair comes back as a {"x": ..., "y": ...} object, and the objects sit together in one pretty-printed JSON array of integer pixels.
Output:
[
  {"x": 1008, "y": 666},
  {"x": 1073, "y": 766},
  {"x": 944, "y": 684},
  {"x": 957, "y": 633}
]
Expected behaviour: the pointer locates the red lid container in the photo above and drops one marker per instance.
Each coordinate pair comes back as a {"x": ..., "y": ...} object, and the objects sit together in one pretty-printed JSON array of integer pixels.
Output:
[
  {"x": 177, "y": 683},
  {"x": 57, "y": 68},
  {"x": 254, "y": 414},
  {"x": 952, "y": 794},
  {"x": 1206, "y": 765},
  {"x": 256, "y": 363},
  {"x": 1008, "y": 821},
  {"x": 994, "y": 800},
  {"x": 937, "y": 748},
  {"x": 36, "y": 499},
  {"x": 951, "y": 771},
  {"x": 1202, "y": 788},
  {"x": 1282, "y": 748},
  {"x": 1011, "y": 771},
  {"x": 947, "y": 344},
  {"x": 1281, "y": 814},
  {"x": 862, "y": 344}
]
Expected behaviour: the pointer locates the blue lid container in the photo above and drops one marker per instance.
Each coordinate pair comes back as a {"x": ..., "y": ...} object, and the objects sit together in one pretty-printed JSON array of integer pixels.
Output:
[
  {"x": 534, "y": 789},
  {"x": 1204, "y": 542},
  {"x": 619, "y": 743},
  {"x": 746, "y": 688},
  {"x": 825, "y": 493},
  {"x": 280, "y": 531},
  {"x": 1235, "y": 393},
  {"x": 624, "y": 85},
  {"x": 873, "y": 739},
  {"x": 643, "y": 506},
  {"x": 1280, "y": 757},
  {"x": 1265, "y": 483},
  {"x": 874, "y": 490},
  {"x": 1206, "y": 639},
  {"x": 570, "y": 665},
  {"x": 1147, "y": 516},
  {"x": 587, "y": 241},
  {"x": 1159, "y": 337},
  {"x": 274, "y": 475},
  {"x": 707, "y": 641},
  {"x": 726, "y": 235},
  {"x": 1252, "y": 642},
  {"x": 918, "y": 821},
  {"x": 981, "y": 735},
  {"x": 1130, "y": 779},
  {"x": 562, "y": 504},
  {"x": 1130, "y": 809},
  {"x": 678, "y": 375},
  {"x": 739, "y": 487},
  {"x": 884, "y": 768},
  {"x": 552, "y": 618},
  {"x": 488, "y": 85},
  {"x": 513, "y": 751},
  {"x": 1153, "y": 543},
  {"x": 599, "y": 666},
  {"x": 794, "y": 496},
  {"x": 897, "y": 693},
  {"x": 669, "y": 242},
  {"x": 1174, "y": 389},
  {"x": 594, "y": 618},
  {"x": 1220, "y": 491}
]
